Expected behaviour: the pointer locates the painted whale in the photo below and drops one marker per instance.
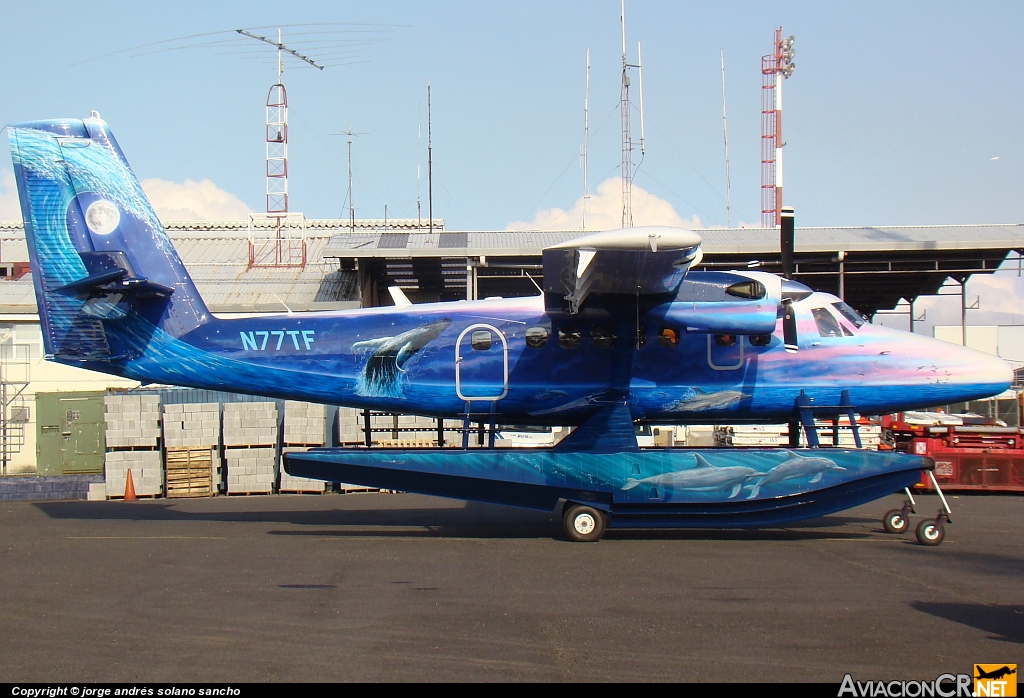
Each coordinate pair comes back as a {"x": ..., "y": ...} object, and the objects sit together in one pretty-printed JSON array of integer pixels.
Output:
[
  {"x": 389, "y": 354},
  {"x": 703, "y": 477},
  {"x": 795, "y": 467}
]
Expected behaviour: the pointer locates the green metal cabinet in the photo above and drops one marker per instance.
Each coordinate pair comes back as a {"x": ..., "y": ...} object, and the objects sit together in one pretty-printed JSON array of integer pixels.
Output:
[{"x": 70, "y": 433}]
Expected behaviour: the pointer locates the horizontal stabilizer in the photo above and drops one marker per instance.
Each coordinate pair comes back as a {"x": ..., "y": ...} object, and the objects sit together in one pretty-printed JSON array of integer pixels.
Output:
[{"x": 92, "y": 282}]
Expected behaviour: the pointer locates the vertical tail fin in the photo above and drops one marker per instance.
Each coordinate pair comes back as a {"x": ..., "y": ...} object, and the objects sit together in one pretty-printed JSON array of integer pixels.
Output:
[{"x": 98, "y": 251}]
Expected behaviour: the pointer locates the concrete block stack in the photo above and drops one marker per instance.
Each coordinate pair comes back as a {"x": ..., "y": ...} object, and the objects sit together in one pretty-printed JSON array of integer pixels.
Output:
[
  {"x": 250, "y": 446},
  {"x": 132, "y": 421},
  {"x": 133, "y": 443},
  {"x": 195, "y": 426},
  {"x": 404, "y": 430},
  {"x": 305, "y": 426},
  {"x": 304, "y": 423},
  {"x": 350, "y": 426},
  {"x": 147, "y": 473}
]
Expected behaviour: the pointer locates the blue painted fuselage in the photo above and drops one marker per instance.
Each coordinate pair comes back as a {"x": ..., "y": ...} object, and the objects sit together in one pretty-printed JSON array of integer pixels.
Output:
[{"x": 405, "y": 359}]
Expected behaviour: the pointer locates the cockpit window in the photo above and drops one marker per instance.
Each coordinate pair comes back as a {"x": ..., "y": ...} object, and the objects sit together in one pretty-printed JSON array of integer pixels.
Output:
[
  {"x": 849, "y": 313},
  {"x": 828, "y": 326}
]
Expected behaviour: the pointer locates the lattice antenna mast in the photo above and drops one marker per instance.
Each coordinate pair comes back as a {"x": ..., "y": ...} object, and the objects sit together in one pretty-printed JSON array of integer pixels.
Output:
[
  {"x": 774, "y": 68},
  {"x": 627, "y": 134},
  {"x": 586, "y": 143},
  {"x": 627, "y": 138},
  {"x": 277, "y": 126}
]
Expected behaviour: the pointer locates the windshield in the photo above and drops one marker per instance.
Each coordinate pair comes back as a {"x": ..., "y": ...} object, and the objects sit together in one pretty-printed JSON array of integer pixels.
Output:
[
  {"x": 849, "y": 313},
  {"x": 828, "y": 326}
]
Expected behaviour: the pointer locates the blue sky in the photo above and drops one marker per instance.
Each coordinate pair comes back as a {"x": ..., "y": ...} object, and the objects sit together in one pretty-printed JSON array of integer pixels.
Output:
[{"x": 892, "y": 116}]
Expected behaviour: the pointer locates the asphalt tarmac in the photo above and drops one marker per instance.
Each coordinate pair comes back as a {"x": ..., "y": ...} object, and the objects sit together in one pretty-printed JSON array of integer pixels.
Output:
[{"x": 386, "y": 587}]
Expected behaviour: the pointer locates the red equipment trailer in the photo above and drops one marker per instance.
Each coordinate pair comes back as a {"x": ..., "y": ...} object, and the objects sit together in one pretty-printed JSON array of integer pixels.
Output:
[{"x": 968, "y": 458}]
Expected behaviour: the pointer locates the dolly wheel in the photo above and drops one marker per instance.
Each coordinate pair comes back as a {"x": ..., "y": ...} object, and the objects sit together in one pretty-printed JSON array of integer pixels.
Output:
[
  {"x": 583, "y": 524},
  {"x": 930, "y": 532},
  {"x": 895, "y": 522}
]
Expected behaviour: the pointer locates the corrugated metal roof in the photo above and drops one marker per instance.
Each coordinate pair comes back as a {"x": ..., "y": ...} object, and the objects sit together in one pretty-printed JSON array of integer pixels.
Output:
[
  {"x": 752, "y": 241},
  {"x": 217, "y": 257}
]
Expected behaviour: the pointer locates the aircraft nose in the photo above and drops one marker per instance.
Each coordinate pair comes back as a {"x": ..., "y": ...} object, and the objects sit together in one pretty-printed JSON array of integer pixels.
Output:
[{"x": 977, "y": 369}]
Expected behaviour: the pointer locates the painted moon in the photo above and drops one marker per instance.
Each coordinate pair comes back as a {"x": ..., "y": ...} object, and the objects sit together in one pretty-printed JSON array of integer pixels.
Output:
[{"x": 102, "y": 217}]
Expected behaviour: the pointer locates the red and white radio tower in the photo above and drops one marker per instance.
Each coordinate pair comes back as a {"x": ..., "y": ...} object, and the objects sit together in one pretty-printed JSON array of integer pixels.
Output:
[{"x": 774, "y": 67}]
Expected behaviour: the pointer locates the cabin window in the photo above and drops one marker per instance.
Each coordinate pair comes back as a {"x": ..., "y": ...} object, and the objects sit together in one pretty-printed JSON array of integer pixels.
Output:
[
  {"x": 760, "y": 340},
  {"x": 850, "y": 314},
  {"x": 481, "y": 340},
  {"x": 827, "y": 324},
  {"x": 603, "y": 337},
  {"x": 725, "y": 340},
  {"x": 536, "y": 337},
  {"x": 569, "y": 338},
  {"x": 668, "y": 337}
]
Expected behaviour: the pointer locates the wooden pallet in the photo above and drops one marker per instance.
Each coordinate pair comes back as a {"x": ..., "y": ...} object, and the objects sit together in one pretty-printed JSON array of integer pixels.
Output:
[
  {"x": 189, "y": 472},
  {"x": 247, "y": 494},
  {"x": 300, "y": 491},
  {"x": 138, "y": 496}
]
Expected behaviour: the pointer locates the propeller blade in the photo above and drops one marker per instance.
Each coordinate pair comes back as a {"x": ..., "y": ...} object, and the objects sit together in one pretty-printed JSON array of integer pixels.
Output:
[{"x": 789, "y": 336}]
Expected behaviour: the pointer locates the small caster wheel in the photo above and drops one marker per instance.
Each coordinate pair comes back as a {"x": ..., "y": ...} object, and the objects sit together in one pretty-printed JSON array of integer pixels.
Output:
[
  {"x": 583, "y": 524},
  {"x": 930, "y": 532},
  {"x": 895, "y": 522}
]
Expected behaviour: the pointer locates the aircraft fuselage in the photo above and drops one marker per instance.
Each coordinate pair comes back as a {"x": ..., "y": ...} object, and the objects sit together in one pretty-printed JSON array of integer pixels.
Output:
[{"x": 555, "y": 368}]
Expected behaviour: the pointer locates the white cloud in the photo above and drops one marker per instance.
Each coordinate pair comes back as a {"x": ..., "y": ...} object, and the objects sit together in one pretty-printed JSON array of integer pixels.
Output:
[
  {"x": 193, "y": 201},
  {"x": 10, "y": 206},
  {"x": 189, "y": 201},
  {"x": 604, "y": 212}
]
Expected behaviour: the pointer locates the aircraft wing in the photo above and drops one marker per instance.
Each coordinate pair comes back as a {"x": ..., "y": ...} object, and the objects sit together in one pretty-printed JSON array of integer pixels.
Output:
[{"x": 644, "y": 261}]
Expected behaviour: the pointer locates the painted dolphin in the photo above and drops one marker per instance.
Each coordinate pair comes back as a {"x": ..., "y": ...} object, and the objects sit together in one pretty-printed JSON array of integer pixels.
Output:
[
  {"x": 390, "y": 354},
  {"x": 796, "y": 466},
  {"x": 703, "y": 477},
  {"x": 707, "y": 401}
]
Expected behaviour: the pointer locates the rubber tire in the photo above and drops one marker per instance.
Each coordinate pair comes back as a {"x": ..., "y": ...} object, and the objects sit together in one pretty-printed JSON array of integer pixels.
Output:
[
  {"x": 895, "y": 522},
  {"x": 930, "y": 532},
  {"x": 583, "y": 524}
]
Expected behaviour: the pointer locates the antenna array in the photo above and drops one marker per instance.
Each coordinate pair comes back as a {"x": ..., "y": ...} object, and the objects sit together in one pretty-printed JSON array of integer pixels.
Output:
[{"x": 627, "y": 135}]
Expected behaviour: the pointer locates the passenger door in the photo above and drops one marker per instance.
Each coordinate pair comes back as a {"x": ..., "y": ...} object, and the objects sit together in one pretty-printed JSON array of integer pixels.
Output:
[{"x": 481, "y": 363}]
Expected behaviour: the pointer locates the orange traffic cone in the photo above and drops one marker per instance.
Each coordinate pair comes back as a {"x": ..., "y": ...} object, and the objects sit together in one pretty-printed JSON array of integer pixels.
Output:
[{"x": 129, "y": 488}]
